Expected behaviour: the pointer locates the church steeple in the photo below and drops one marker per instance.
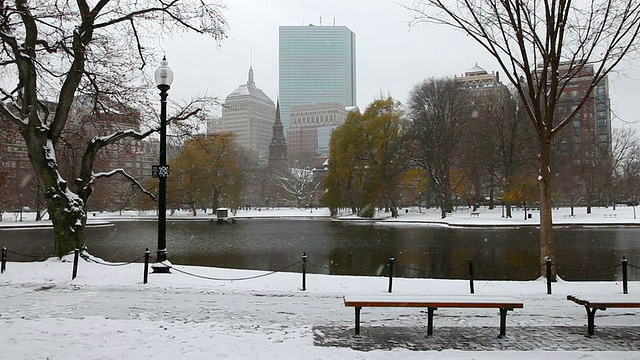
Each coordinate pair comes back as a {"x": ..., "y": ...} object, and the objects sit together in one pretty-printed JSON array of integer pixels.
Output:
[
  {"x": 277, "y": 125},
  {"x": 278, "y": 145}
]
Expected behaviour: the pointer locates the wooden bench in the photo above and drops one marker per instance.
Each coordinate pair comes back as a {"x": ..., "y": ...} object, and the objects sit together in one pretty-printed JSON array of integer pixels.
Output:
[
  {"x": 475, "y": 214},
  {"x": 568, "y": 216},
  {"x": 610, "y": 215},
  {"x": 602, "y": 302},
  {"x": 432, "y": 303}
]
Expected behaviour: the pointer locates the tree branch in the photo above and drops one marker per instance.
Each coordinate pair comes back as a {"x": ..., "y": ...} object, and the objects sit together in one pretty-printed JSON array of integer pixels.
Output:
[{"x": 128, "y": 176}]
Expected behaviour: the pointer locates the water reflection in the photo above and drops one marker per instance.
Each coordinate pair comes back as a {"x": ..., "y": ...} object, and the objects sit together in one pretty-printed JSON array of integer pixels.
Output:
[{"x": 355, "y": 248}]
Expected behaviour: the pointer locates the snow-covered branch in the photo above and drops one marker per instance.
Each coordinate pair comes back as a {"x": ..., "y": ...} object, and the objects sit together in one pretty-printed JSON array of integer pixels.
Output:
[{"x": 124, "y": 173}]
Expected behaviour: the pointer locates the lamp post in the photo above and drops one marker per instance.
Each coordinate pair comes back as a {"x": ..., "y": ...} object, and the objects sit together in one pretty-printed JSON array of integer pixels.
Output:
[{"x": 164, "y": 78}]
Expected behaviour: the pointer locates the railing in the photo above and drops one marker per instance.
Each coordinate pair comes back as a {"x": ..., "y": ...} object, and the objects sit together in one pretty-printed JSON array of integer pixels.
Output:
[{"x": 304, "y": 262}]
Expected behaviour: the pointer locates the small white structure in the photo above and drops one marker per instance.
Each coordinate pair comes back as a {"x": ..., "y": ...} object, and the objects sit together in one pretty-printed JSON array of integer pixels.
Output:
[{"x": 223, "y": 216}]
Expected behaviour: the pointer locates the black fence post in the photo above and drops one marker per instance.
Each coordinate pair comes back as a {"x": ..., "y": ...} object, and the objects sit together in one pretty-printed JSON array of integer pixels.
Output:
[
  {"x": 304, "y": 271},
  {"x": 145, "y": 278},
  {"x": 3, "y": 267},
  {"x": 471, "y": 289},
  {"x": 391, "y": 259},
  {"x": 625, "y": 289},
  {"x": 76, "y": 252},
  {"x": 548, "y": 275}
]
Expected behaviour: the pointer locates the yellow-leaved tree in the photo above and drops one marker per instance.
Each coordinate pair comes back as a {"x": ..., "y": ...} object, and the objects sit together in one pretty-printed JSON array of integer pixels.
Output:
[
  {"x": 206, "y": 174},
  {"x": 366, "y": 164}
]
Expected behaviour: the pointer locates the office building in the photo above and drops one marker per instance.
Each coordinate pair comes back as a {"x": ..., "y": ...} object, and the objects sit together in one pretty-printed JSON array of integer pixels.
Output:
[
  {"x": 248, "y": 113},
  {"x": 317, "y": 65},
  {"x": 588, "y": 137},
  {"x": 311, "y": 126},
  {"x": 483, "y": 87}
]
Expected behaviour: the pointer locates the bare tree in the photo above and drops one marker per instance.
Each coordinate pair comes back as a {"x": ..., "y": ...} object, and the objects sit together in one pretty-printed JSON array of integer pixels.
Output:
[
  {"x": 541, "y": 46},
  {"x": 511, "y": 135},
  {"x": 625, "y": 164},
  {"x": 298, "y": 183},
  {"x": 57, "y": 50},
  {"x": 438, "y": 114}
]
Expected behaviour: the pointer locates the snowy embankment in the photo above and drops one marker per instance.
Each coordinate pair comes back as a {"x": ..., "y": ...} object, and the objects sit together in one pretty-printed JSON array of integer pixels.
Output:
[
  {"x": 599, "y": 216},
  {"x": 107, "y": 313}
]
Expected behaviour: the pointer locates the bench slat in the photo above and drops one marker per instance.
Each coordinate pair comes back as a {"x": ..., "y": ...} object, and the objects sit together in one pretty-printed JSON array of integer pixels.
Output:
[
  {"x": 471, "y": 301},
  {"x": 611, "y": 301},
  {"x": 432, "y": 303}
]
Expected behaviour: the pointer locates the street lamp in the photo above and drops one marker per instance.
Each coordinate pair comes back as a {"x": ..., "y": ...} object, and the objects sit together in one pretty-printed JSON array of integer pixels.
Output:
[{"x": 164, "y": 78}]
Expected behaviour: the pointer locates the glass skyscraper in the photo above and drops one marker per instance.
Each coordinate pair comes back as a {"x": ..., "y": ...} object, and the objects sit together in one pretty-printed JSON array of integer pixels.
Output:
[{"x": 317, "y": 65}]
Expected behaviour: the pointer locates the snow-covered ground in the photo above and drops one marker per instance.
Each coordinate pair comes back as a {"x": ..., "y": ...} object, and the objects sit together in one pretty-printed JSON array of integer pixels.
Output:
[
  {"x": 622, "y": 215},
  {"x": 107, "y": 313}
]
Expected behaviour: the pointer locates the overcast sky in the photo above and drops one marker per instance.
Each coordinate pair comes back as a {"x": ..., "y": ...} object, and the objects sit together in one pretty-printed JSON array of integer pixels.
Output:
[{"x": 391, "y": 57}]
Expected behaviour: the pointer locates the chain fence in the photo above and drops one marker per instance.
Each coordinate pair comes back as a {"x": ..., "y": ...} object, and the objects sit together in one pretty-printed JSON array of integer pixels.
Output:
[
  {"x": 235, "y": 279},
  {"x": 426, "y": 272},
  {"x": 91, "y": 259},
  {"x": 23, "y": 255}
]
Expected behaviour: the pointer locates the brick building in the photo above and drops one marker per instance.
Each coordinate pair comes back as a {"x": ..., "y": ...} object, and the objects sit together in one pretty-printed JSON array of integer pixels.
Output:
[{"x": 19, "y": 187}]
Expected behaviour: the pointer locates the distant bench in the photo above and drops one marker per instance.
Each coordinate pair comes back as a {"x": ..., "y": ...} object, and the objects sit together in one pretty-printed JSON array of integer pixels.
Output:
[
  {"x": 475, "y": 214},
  {"x": 610, "y": 215},
  {"x": 600, "y": 302},
  {"x": 568, "y": 216},
  {"x": 432, "y": 303}
]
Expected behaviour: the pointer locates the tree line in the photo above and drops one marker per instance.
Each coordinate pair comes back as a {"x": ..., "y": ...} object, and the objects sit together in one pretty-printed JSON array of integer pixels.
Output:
[{"x": 446, "y": 148}]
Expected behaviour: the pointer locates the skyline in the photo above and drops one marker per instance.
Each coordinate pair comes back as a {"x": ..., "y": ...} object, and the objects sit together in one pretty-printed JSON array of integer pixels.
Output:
[{"x": 391, "y": 57}]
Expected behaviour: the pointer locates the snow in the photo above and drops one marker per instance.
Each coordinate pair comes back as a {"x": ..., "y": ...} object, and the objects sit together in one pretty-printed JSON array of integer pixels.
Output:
[
  {"x": 622, "y": 216},
  {"x": 108, "y": 313},
  {"x": 50, "y": 154}
]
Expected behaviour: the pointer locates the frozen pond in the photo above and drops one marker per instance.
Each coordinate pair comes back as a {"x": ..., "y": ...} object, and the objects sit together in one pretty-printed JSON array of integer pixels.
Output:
[{"x": 355, "y": 248}]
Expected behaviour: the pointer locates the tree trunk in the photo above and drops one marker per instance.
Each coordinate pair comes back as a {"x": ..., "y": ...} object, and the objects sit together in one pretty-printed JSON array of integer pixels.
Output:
[
  {"x": 38, "y": 202},
  {"x": 66, "y": 208},
  {"x": 547, "y": 248},
  {"x": 447, "y": 202},
  {"x": 68, "y": 225},
  {"x": 215, "y": 202},
  {"x": 394, "y": 210}
]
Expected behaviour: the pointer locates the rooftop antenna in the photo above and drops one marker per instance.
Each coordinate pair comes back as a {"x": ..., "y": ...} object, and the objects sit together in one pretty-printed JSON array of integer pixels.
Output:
[
  {"x": 251, "y": 80},
  {"x": 320, "y": 20},
  {"x": 334, "y": 21}
]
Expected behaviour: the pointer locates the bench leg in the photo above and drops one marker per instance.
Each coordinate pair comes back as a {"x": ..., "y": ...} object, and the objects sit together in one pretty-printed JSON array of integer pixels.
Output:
[
  {"x": 503, "y": 322},
  {"x": 591, "y": 326},
  {"x": 358, "y": 308},
  {"x": 430, "y": 320}
]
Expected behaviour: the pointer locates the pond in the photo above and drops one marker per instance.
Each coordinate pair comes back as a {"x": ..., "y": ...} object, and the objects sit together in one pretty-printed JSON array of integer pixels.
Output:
[{"x": 352, "y": 248}]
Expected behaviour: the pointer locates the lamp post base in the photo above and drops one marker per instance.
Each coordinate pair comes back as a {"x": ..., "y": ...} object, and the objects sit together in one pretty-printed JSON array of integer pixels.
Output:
[{"x": 163, "y": 267}]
